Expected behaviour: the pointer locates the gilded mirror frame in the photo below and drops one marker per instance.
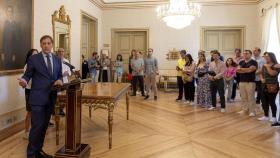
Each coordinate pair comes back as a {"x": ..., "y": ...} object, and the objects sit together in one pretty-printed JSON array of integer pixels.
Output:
[{"x": 60, "y": 16}]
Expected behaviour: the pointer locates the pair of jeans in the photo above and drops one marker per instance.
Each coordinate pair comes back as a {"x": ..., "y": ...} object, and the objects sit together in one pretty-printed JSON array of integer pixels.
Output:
[
  {"x": 235, "y": 85},
  {"x": 189, "y": 91},
  {"x": 259, "y": 90},
  {"x": 93, "y": 74},
  {"x": 268, "y": 100},
  {"x": 218, "y": 86},
  {"x": 180, "y": 84},
  {"x": 140, "y": 80},
  {"x": 229, "y": 87}
]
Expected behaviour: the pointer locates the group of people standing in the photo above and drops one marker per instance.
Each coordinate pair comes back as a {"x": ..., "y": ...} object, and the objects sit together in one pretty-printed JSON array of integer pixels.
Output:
[
  {"x": 143, "y": 71},
  {"x": 100, "y": 69},
  {"x": 248, "y": 70}
]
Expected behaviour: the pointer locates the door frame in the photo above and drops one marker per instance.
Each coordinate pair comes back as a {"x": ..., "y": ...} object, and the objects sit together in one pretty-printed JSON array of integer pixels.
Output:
[
  {"x": 85, "y": 14},
  {"x": 242, "y": 29},
  {"x": 114, "y": 32}
]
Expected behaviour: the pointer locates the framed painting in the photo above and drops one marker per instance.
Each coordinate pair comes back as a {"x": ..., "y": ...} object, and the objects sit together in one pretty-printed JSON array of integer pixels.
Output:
[{"x": 16, "y": 30}]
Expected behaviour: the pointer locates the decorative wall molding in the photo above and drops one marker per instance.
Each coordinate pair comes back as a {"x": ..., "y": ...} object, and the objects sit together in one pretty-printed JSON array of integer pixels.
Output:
[{"x": 153, "y": 3}]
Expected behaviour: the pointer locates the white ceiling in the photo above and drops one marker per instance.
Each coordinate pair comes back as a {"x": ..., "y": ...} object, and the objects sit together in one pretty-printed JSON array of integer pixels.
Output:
[{"x": 202, "y": 1}]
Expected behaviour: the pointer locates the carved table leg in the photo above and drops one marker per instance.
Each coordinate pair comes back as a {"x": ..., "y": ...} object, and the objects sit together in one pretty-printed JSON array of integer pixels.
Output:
[
  {"x": 127, "y": 105},
  {"x": 57, "y": 121},
  {"x": 110, "y": 122},
  {"x": 89, "y": 110}
]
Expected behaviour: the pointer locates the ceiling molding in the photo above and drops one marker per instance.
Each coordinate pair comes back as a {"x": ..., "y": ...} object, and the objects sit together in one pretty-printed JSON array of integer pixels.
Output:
[{"x": 153, "y": 3}]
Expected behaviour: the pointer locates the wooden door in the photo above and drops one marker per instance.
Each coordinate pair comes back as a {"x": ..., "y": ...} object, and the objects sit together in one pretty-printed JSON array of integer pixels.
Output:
[
  {"x": 88, "y": 37},
  {"x": 126, "y": 41},
  {"x": 226, "y": 41}
]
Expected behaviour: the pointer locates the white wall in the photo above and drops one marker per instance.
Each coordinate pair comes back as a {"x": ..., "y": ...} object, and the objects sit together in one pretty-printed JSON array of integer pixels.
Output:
[
  {"x": 42, "y": 22},
  {"x": 163, "y": 38},
  {"x": 11, "y": 95}
]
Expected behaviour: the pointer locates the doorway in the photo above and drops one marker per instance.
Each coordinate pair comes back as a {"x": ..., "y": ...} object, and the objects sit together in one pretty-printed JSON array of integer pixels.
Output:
[
  {"x": 224, "y": 39},
  {"x": 89, "y": 35},
  {"x": 124, "y": 40}
]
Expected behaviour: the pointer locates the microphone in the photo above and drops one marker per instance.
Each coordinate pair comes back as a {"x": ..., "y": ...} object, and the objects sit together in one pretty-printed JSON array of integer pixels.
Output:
[{"x": 69, "y": 65}]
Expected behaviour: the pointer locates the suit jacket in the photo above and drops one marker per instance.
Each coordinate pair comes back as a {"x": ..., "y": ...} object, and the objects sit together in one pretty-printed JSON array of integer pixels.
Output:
[{"x": 41, "y": 90}]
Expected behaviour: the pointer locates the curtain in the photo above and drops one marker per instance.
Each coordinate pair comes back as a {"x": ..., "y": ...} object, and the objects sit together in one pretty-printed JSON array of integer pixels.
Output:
[
  {"x": 266, "y": 28},
  {"x": 278, "y": 19}
]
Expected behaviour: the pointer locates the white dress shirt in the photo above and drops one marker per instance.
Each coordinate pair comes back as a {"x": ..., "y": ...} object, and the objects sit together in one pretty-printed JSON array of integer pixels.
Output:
[{"x": 65, "y": 68}]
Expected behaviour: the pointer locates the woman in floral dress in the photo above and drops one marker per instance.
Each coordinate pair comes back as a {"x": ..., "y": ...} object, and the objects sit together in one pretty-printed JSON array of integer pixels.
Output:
[{"x": 203, "y": 85}]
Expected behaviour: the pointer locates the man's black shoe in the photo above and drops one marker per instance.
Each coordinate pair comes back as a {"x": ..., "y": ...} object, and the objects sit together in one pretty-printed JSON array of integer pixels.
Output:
[{"x": 146, "y": 97}]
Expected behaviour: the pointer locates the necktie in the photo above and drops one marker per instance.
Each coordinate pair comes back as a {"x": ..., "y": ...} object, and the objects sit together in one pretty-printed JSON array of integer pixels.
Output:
[{"x": 49, "y": 64}]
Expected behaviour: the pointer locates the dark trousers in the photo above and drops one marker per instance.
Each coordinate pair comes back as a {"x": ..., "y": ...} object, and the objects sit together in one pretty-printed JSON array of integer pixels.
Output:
[
  {"x": 235, "y": 85},
  {"x": 259, "y": 90},
  {"x": 40, "y": 117},
  {"x": 189, "y": 91},
  {"x": 268, "y": 99},
  {"x": 180, "y": 86},
  {"x": 218, "y": 85},
  {"x": 140, "y": 80},
  {"x": 103, "y": 76}
]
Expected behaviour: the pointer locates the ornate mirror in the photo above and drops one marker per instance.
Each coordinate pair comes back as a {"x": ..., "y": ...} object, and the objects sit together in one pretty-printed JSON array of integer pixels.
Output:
[{"x": 61, "y": 31}]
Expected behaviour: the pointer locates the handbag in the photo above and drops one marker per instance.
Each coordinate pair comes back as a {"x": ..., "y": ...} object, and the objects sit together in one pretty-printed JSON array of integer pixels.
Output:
[
  {"x": 129, "y": 77},
  {"x": 272, "y": 88},
  {"x": 201, "y": 74},
  {"x": 187, "y": 78}
]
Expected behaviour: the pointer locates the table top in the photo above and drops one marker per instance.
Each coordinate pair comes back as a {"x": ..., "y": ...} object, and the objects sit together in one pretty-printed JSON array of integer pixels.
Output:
[{"x": 106, "y": 90}]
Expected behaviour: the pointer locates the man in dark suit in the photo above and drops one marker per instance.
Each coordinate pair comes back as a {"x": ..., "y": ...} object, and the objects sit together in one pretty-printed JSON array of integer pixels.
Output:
[{"x": 46, "y": 72}]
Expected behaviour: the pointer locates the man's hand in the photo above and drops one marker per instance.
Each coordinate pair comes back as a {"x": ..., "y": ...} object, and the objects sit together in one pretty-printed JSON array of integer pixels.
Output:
[
  {"x": 58, "y": 83},
  {"x": 65, "y": 73},
  {"x": 178, "y": 69},
  {"x": 22, "y": 82}
]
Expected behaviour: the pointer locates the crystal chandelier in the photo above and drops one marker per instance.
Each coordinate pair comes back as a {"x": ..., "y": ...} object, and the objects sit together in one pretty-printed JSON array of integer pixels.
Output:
[{"x": 178, "y": 14}]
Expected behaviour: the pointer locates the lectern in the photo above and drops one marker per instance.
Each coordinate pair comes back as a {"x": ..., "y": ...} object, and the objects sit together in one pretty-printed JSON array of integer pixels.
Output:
[{"x": 73, "y": 146}]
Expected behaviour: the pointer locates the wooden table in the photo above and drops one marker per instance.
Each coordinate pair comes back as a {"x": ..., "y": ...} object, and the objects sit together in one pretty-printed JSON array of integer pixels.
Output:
[{"x": 95, "y": 96}]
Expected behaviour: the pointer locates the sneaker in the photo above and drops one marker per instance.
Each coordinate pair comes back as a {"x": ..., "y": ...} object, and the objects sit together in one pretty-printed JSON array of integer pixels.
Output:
[
  {"x": 264, "y": 118},
  {"x": 211, "y": 109},
  {"x": 146, "y": 97},
  {"x": 276, "y": 124},
  {"x": 241, "y": 112},
  {"x": 187, "y": 102},
  {"x": 178, "y": 99},
  {"x": 273, "y": 120},
  {"x": 155, "y": 97},
  {"x": 26, "y": 135},
  {"x": 252, "y": 114},
  {"x": 223, "y": 110}
]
